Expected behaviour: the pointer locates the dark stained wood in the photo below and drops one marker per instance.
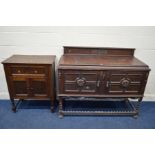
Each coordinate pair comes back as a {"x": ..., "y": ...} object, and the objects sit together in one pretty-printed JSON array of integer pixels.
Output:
[
  {"x": 30, "y": 59},
  {"x": 100, "y": 60},
  {"x": 102, "y": 51},
  {"x": 101, "y": 73},
  {"x": 30, "y": 77}
]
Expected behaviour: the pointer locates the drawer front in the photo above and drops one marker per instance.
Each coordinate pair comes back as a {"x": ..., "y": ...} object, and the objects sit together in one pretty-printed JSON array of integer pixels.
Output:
[
  {"x": 14, "y": 70},
  {"x": 80, "y": 82},
  {"x": 126, "y": 82}
]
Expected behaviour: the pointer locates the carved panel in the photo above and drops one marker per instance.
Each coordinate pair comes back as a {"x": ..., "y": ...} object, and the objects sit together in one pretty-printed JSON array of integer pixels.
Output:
[
  {"x": 125, "y": 82},
  {"x": 80, "y": 81}
]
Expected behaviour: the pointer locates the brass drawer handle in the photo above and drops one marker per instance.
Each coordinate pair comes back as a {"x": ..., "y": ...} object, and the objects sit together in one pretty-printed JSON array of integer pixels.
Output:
[
  {"x": 19, "y": 71},
  {"x": 35, "y": 71},
  {"x": 29, "y": 88},
  {"x": 98, "y": 83},
  {"x": 107, "y": 85},
  {"x": 103, "y": 76},
  {"x": 87, "y": 87}
]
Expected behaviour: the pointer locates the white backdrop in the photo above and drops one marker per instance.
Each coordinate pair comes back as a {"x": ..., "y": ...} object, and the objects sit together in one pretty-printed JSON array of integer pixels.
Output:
[{"x": 50, "y": 40}]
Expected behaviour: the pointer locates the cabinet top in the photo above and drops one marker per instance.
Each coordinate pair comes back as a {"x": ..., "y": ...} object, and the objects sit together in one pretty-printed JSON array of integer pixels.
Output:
[
  {"x": 30, "y": 59},
  {"x": 98, "y": 60},
  {"x": 103, "y": 57}
]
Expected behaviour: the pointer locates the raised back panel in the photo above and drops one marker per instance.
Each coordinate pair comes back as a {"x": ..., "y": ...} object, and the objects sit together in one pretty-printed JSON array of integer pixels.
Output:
[{"x": 103, "y": 51}]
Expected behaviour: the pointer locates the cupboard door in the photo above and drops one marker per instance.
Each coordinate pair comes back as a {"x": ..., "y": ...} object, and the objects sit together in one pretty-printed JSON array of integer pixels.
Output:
[
  {"x": 20, "y": 86},
  {"x": 80, "y": 82},
  {"x": 39, "y": 87},
  {"x": 126, "y": 82}
]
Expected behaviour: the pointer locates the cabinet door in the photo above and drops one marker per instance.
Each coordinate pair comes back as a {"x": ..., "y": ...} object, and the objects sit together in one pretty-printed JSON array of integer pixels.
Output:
[
  {"x": 126, "y": 82},
  {"x": 19, "y": 86},
  {"x": 39, "y": 87},
  {"x": 79, "y": 82}
]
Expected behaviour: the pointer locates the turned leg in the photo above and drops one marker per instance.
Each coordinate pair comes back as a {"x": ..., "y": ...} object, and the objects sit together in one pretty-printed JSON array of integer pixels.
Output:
[
  {"x": 126, "y": 100},
  {"x": 60, "y": 108},
  {"x": 135, "y": 116},
  {"x": 13, "y": 105},
  {"x": 137, "y": 107},
  {"x": 22, "y": 100},
  {"x": 52, "y": 105}
]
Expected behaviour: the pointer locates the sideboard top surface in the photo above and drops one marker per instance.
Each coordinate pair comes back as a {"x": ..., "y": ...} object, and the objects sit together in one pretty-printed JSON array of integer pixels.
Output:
[
  {"x": 30, "y": 59},
  {"x": 98, "y": 60},
  {"x": 113, "y": 57}
]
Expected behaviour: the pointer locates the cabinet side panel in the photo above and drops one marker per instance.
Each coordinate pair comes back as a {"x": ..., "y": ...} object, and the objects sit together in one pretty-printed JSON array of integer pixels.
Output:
[{"x": 7, "y": 75}]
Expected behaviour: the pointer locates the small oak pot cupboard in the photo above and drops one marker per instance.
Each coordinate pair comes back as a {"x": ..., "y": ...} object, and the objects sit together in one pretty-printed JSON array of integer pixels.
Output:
[{"x": 30, "y": 77}]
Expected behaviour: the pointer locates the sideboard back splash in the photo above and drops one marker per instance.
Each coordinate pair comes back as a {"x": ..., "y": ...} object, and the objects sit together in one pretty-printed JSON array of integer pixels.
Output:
[{"x": 101, "y": 51}]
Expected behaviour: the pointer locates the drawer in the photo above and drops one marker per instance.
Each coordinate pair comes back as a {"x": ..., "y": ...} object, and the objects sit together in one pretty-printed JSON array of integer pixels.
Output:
[{"x": 28, "y": 70}]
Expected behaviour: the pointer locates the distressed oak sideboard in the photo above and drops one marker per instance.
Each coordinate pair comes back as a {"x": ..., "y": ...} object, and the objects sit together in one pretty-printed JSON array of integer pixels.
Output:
[
  {"x": 30, "y": 77},
  {"x": 101, "y": 73}
]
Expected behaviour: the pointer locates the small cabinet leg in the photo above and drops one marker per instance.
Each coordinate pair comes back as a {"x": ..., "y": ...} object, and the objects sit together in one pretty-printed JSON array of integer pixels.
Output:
[
  {"x": 60, "y": 108},
  {"x": 126, "y": 100},
  {"x": 13, "y": 105},
  {"x": 22, "y": 100},
  {"x": 52, "y": 105}
]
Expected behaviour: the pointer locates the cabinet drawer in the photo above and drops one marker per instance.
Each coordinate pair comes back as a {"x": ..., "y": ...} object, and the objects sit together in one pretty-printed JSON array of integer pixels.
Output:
[{"x": 28, "y": 70}]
